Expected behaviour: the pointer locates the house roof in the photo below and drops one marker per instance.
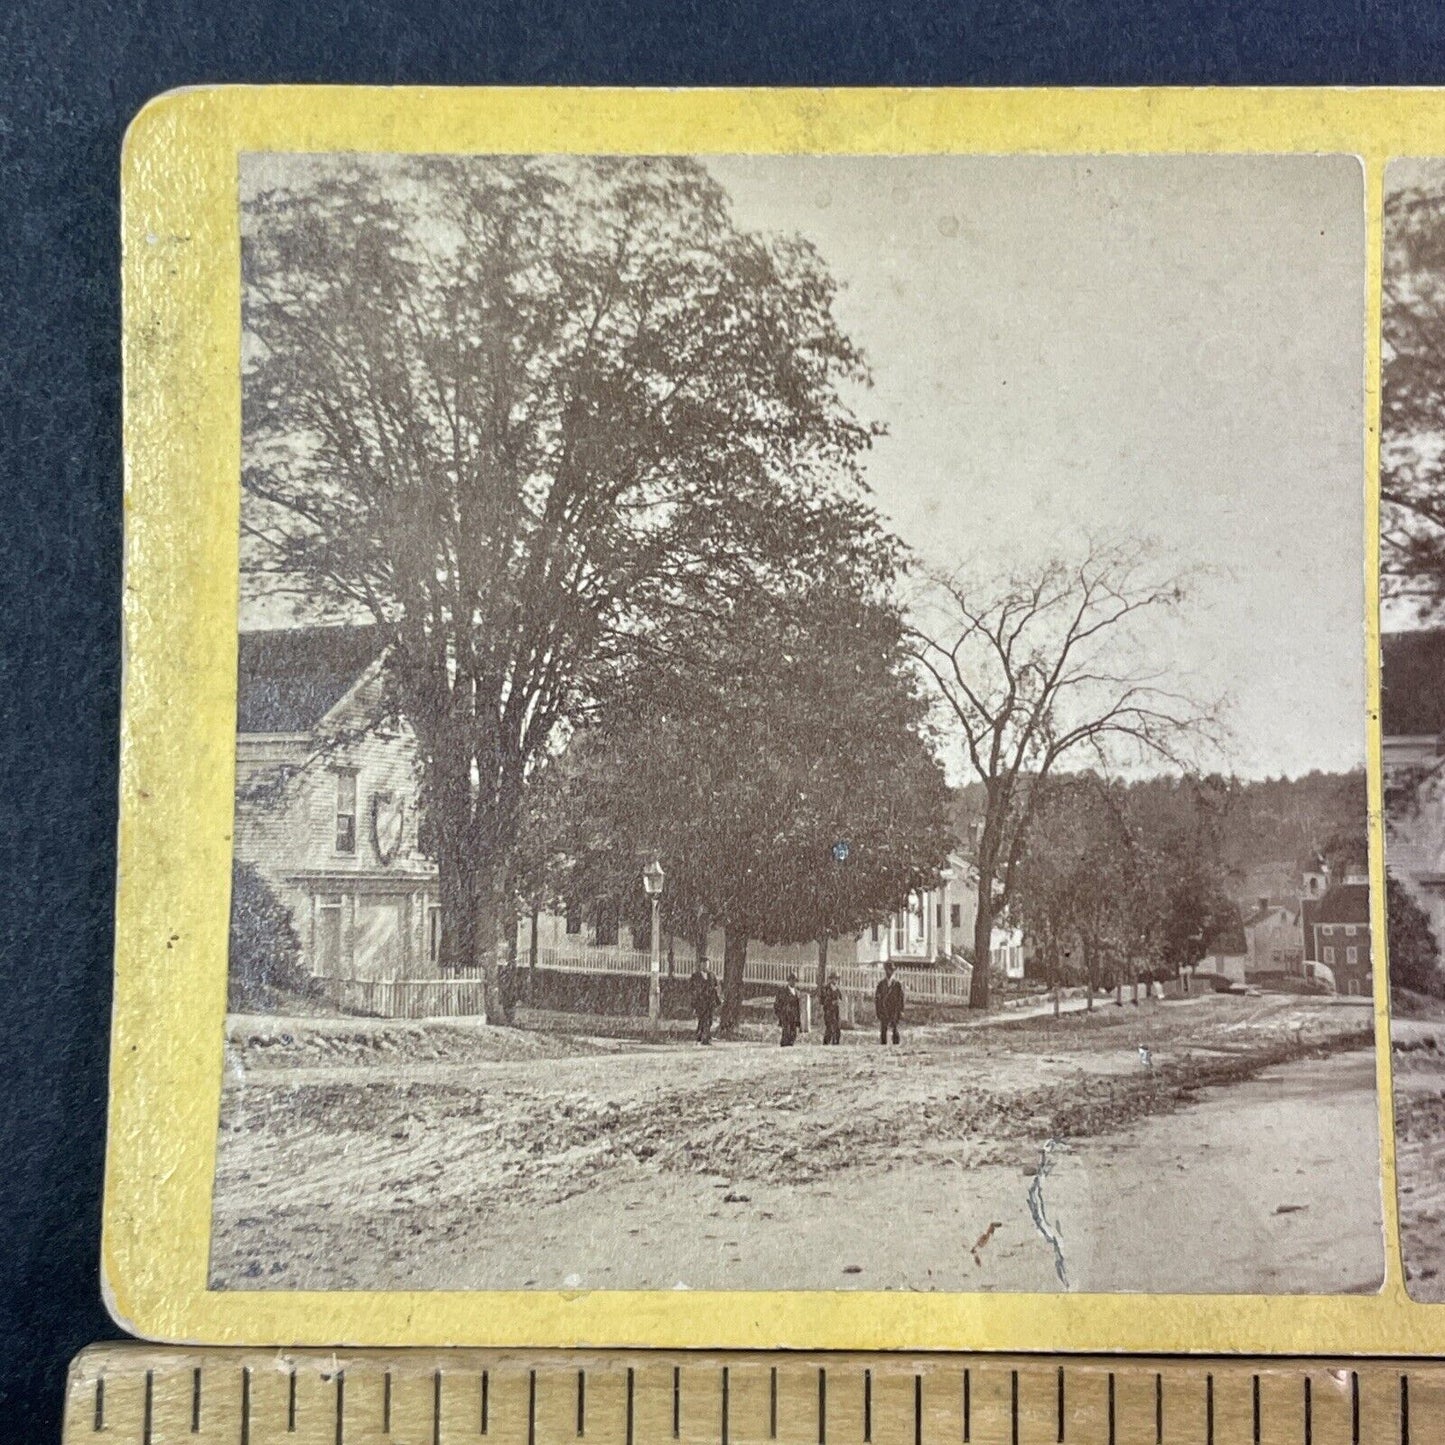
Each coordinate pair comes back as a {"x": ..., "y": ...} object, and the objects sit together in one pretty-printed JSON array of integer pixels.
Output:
[
  {"x": 1260, "y": 914},
  {"x": 1412, "y": 683},
  {"x": 290, "y": 678},
  {"x": 1345, "y": 903}
]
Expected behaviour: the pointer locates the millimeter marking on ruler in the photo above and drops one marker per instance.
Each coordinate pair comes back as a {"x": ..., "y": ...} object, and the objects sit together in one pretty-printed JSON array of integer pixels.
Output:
[{"x": 154, "y": 1395}]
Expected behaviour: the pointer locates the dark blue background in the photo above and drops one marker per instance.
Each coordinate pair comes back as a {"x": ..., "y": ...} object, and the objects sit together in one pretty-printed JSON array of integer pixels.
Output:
[{"x": 71, "y": 76}]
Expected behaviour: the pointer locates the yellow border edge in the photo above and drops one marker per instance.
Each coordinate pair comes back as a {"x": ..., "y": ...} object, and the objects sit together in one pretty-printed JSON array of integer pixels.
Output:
[{"x": 181, "y": 349}]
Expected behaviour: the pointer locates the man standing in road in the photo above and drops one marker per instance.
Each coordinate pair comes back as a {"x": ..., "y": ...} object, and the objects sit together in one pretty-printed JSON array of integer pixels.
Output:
[
  {"x": 830, "y": 998},
  {"x": 788, "y": 1009},
  {"x": 706, "y": 999},
  {"x": 888, "y": 1004}
]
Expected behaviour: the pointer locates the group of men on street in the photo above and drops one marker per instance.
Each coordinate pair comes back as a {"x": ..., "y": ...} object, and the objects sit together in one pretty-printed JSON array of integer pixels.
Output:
[{"x": 888, "y": 1000}]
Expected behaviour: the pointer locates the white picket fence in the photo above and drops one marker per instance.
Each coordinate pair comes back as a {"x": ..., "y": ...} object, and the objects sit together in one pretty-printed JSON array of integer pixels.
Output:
[
  {"x": 461, "y": 996},
  {"x": 409, "y": 998}
]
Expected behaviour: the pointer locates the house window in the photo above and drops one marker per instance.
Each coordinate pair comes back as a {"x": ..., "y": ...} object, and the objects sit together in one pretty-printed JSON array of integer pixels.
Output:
[
  {"x": 938, "y": 916},
  {"x": 1352, "y": 955},
  {"x": 574, "y": 919},
  {"x": 346, "y": 810},
  {"x": 955, "y": 915},
  {"x": 1349, "y": 930},
  {"x": 873, "y": 932},
  {"x": 433, "y": 933},
  {"x": 900, "y": 933},
  {"x": 1329, "y": 955}
]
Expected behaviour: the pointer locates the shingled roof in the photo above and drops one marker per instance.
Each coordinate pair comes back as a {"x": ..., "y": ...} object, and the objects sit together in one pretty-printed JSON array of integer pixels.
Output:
[
  {"x": 1412, "y": 683},
  {"x": 1345, "y": 903},
  {"x": 289, "y": 679}
]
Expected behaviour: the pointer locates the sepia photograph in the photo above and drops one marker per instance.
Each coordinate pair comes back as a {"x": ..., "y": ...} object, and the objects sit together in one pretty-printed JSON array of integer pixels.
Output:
[
  {"x": 801, "y": 725},
  {"x": 1412, "y": 697}
]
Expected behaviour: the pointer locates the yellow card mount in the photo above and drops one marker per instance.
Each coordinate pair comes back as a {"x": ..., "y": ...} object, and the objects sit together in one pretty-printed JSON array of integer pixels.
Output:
[{"x": 155, "y": 1395}]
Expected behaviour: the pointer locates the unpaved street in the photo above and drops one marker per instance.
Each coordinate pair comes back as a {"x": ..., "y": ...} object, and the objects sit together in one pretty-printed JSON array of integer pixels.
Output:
[{"x": 362, "y": 1154}]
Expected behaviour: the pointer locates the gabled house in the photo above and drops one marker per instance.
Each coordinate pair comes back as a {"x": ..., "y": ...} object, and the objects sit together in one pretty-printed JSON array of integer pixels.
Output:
[
  {"x": 1226, "y": 953},
  {"x": 326, "y": 803},
  {"x": 1342, "y": 935},
  {"x": 1274, "y": 942}
]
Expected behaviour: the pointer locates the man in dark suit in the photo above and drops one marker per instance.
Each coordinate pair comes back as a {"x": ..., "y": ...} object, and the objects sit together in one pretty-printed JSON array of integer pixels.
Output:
[
  {"x": 706, "y": 999},
  {"x": 788, "y": 1010},
  {"x": 830, "y": 997},
  {"x": 888, "y": 1004}
]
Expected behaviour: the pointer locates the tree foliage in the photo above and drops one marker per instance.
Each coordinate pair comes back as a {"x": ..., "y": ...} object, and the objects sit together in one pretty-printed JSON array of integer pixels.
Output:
[
  {"x": 520, "y": 412},
  {"x": 264, "y": 962},
  {"x": 782, "y": 773},
  {"x": 1414, "y": 950},
  {"x": 1412, "y": 422}
]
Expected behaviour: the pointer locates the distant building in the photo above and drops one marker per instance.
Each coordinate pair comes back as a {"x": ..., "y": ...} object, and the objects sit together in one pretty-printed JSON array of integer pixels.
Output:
[
  {"x": 1274, "y": 941},
  {"x": 1342, "y": 935},
  {"x": 1226, "y": 953}
]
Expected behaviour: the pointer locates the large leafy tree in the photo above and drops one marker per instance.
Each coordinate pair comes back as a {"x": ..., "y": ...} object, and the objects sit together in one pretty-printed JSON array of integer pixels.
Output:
[
  {"x": 520, "y": 412},
  {"x": 1412, "y": 422},
  {"x": 781, "y": 770}
]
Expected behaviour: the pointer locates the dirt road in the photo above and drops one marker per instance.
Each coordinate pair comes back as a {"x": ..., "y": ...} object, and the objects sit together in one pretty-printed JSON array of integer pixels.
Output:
[{"x": 412, "y": 1156}]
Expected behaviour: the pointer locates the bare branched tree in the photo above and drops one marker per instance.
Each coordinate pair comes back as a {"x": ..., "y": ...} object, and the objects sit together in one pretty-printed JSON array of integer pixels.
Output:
[{"x": 1035, "y": 673}]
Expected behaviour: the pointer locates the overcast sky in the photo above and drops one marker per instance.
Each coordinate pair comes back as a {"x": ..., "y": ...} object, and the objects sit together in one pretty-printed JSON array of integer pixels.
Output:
[{"x": 1169, "y": 347}]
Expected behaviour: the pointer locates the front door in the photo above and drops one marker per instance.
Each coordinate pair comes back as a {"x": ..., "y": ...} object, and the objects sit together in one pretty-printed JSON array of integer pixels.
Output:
[{"x": 377, "y": 945}]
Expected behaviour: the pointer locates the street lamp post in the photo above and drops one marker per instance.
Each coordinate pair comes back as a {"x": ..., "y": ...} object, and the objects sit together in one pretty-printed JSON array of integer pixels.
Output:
[{"x": 652, "y": 877}]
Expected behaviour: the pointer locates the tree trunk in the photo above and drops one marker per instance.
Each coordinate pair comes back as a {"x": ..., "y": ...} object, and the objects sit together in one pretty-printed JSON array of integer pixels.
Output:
[
  {"x": 978, "y": 984},
  {"x": 735, "y": 956},
  {"x": 822, "y": 960},
  {"x": 532, "y": 956},
  {"x": 1089, "y": 977},
  {"x": 471, "y": 922}
]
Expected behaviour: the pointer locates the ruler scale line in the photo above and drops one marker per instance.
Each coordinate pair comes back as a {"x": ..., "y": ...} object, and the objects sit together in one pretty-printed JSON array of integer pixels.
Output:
[{"x": 149, "y": 1395}]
